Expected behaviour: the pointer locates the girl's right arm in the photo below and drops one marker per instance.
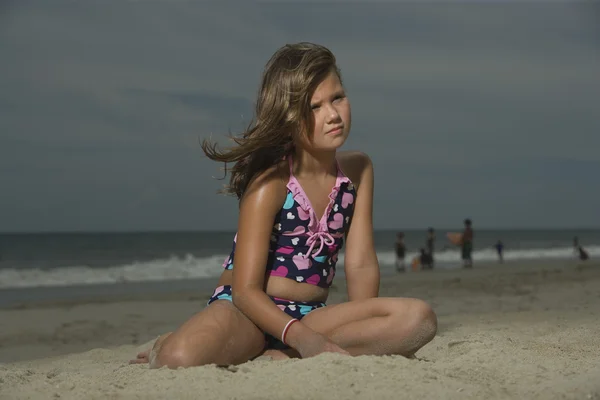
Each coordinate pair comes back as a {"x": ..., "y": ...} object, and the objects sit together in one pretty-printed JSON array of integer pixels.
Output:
[{"x": 260, "y": 203}]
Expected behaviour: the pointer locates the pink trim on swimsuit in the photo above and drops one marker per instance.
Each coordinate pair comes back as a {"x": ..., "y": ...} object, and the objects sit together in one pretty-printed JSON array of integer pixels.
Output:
[{"x": 303, "y": 248}]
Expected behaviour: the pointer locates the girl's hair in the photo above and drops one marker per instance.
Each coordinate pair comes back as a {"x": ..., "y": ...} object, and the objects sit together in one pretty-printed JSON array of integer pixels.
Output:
[{"x": 282, "y": 113}]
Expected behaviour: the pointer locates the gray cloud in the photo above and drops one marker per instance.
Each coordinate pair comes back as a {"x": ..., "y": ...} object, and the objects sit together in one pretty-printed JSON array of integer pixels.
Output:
[{"x": 485, "y": 110}]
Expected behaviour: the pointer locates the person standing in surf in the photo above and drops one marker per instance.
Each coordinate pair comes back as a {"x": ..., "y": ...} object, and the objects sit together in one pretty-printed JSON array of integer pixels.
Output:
[
  {"x": 430, "y": 248},
  {"x": 400, "y": 252},
  {"x": 467, "y": 244},
  {"x": 500, "y": 251}
]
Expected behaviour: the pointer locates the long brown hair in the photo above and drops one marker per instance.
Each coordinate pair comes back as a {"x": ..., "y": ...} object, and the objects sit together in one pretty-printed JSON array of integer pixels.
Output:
[{"x": 282, "y": 113}]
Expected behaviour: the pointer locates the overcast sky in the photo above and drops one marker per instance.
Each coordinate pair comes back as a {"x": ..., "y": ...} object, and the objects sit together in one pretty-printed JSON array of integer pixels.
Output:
[{"x": 489, "y": 111}]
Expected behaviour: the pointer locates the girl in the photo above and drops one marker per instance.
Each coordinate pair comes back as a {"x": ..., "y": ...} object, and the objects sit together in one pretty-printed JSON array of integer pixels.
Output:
[{"x": 299, "y": 198}]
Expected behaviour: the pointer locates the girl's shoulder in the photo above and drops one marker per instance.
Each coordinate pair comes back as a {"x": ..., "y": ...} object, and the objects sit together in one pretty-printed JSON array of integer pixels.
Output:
[
  {"x": 355, "y": 165},
  {"x": 271, "y": 182}
]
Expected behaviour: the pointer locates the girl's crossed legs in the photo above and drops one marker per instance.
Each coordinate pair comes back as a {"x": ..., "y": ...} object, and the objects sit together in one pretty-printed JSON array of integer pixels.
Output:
[{"x": 221, "y": 334}]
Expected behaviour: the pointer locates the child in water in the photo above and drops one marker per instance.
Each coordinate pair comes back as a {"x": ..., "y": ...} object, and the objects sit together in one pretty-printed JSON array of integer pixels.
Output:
[{"x": 299, "y": 198}]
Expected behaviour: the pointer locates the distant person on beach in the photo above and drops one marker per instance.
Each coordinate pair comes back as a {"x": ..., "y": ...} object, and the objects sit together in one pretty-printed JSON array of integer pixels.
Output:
[
  {"x": 500, "y": 250},
  {"x": 576, "y": 246},
  {"x": 421, "y": 260},
  {"x": 400, "y": 252},
  {"x": 425, "y": 258},
  {"x": 467, "y": 244},
  {"x": 430, "y": 247},
  {"x": 299, "y": 199},
  {"x": 583, "y": 255}
]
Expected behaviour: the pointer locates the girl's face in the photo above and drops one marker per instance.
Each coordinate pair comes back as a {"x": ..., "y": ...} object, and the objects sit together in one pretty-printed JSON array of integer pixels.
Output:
[{"x": 331, "y": 116}]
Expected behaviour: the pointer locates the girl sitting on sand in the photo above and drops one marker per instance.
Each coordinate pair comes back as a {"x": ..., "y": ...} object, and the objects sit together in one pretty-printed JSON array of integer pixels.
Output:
[{"x": 299, "y": 198}]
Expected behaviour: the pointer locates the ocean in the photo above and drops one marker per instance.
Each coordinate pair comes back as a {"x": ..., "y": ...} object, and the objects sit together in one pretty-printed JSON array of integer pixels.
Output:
[
  {"x": 63, "y": 259},
  {"x": 47, "y": 265}
]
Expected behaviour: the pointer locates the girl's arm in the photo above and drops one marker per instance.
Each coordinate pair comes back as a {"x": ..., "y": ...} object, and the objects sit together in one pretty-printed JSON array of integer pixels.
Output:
[
  {"x": 261, "y": 201},
  {"x": 361, "y": 264}
]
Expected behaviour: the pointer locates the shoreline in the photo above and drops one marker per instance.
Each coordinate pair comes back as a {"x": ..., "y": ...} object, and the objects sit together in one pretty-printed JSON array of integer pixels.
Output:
[{"x": 202, "y": 288}]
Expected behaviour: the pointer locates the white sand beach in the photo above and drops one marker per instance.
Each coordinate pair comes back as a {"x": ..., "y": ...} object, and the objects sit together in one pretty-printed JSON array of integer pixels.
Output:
[{"x": 513, "y": 331}]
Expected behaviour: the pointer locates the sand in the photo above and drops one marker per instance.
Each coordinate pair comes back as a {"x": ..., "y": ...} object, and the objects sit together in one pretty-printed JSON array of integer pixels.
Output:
[{"x": 515, "y": 331}]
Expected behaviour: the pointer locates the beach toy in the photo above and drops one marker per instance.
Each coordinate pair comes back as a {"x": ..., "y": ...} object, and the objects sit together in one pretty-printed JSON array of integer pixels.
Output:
[
  {"x": 455, "y": 238},
  {"x": 415, "y": 264}
]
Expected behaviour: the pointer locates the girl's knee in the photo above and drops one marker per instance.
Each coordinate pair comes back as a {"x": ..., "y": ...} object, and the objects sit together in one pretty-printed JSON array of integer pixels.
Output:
[
  {"x": 425, "y": 320},
  {"x": 173, "y": 354},
  {"x": 418, "y": 322}
]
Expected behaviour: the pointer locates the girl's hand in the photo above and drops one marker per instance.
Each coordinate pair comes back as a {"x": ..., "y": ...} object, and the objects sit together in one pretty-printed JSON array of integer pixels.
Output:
[{"x": 310, "y": 343}]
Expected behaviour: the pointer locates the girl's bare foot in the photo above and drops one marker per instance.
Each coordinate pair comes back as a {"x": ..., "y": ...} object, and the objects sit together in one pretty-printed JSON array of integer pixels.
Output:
[
  {"x": 141, "y": 358},
  {"x": 276, "y": 355},
  {"x": 144, "y": 356}
]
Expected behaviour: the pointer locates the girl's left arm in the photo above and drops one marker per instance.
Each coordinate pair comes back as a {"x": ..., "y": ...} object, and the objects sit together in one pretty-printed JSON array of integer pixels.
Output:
[{"x": 361, "y": 264}]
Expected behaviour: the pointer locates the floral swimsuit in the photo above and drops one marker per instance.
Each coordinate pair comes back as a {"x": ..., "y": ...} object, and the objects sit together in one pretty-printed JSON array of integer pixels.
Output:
[{"x": 303, "y": 248}]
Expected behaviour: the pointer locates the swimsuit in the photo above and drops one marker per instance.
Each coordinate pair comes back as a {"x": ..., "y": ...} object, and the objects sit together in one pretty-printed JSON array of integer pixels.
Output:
[
  {"x": 295, "y": 309},
  {"x": 467, "y": 245},
  {"x": 400, "y": 251},
  {"x": 303, "y": 248},
  {"x": 466, "y": 250}
]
